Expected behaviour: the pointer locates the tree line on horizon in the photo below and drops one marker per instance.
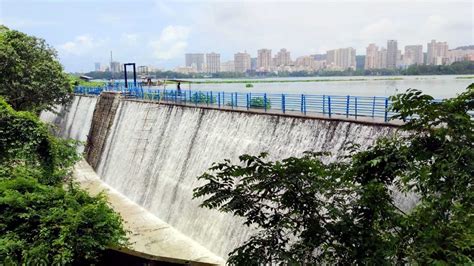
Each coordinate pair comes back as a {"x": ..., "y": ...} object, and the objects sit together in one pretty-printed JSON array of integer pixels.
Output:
[{"x": 456, "y": 68}]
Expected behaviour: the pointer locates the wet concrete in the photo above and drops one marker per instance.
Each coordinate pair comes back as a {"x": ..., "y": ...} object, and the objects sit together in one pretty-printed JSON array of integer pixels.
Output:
[{"x": 148, "y": 235}]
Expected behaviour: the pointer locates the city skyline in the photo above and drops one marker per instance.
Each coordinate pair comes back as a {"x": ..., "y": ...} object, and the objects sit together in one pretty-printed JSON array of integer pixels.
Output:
[
  {"x": 159, "y": 32},
  {"x": 390, "y": 57}
]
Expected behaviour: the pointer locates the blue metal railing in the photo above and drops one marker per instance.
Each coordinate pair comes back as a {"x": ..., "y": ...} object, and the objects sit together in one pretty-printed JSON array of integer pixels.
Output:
[{"x": 327, "y": 105}]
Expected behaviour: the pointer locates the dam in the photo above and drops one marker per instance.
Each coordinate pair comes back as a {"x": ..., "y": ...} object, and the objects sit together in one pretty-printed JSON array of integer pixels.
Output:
[{"x": 152, "y": 152}]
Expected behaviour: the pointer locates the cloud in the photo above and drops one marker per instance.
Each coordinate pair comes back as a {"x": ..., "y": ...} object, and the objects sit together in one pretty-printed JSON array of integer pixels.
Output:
[
  {"x": 172, "y": 42},
  {"x": 130, "y": 38},
  {"x": 21, "y": 23},
  {"x": 81, "y": 45},
  {"x": 109, "y": 19},
  {"x": 380, "y": 27}
]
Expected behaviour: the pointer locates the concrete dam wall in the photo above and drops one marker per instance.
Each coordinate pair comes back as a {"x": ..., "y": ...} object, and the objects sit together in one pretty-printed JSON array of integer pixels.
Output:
[{"x": 152, "y": 153}]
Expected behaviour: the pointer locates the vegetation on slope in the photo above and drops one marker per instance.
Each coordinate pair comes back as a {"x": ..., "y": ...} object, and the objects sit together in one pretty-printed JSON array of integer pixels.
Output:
[{"x": 45, "y": 218}]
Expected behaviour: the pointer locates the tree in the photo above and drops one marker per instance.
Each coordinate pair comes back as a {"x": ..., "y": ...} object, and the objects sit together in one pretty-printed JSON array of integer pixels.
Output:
[
  {"x": 310, "y": 211},
  {"x": 31, "y": 77},
  {"x": 45, "y": 217}
]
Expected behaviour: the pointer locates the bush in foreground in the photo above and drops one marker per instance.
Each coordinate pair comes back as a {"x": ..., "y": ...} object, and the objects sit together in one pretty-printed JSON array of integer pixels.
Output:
[{"x": 46, "y": 219}]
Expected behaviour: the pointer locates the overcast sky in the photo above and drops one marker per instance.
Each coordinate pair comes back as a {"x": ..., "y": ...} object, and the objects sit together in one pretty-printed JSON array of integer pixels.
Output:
[{"x": 160, "y": 32}]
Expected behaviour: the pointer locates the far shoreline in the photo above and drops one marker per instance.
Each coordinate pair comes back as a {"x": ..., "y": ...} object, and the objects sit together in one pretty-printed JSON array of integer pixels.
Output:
[{"x": 255, "y": 80}]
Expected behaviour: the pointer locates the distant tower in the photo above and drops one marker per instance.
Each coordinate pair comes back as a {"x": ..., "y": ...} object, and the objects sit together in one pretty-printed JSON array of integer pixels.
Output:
[
  {"x": 111, "y": 69},
  {"x": 392, "y": 51}
]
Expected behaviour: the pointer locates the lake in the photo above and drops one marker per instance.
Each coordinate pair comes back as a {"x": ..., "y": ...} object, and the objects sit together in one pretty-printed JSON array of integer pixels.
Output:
[{"x": 444, "y": 86}]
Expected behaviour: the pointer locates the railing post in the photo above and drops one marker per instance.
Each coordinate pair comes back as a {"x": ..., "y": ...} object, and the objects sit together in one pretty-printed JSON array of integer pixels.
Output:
[
  {"x": 207, "y": 98},
  {"x": 355, "y": 107},
  {"x": 265, "y": 101},
  {"x": 373, "y": 108},
  {"x": 212, "y": 99},
  {"x": 324, "y": 104},
  {"x": 232, "y": 99},
  {"x": 347, "y": 106},
  {"x": 301, "y": 103},
  {"x": 329, "y": 105},
  {"x": 304, "y": 104},
  {"x": 196, "y": 97},
  {"x": 283, "y": 102},
  {"x": 219, "y": 99},
  {"x": 248, "y": 102},
  {"x": 223, "y": 99},
  {"x": 175, "y": 96},
  {"x": 236, "y": 104},
  {"x": 386, "y": 109}
]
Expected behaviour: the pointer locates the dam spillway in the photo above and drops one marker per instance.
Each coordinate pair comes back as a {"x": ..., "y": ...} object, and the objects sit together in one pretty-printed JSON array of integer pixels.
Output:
[{"x": 152, "y": 153}]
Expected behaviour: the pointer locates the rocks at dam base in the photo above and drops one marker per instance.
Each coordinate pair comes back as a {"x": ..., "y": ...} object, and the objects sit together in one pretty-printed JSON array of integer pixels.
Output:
[{"x": 152, "y": 153}]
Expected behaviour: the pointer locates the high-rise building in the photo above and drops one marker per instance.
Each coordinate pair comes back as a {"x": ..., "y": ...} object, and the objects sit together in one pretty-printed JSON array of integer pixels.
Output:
[
  {"x": 228, "y": 66},
  {"x": 115, "y": 67},
  {"x": 413, "y": 55},
  {"x": 382, "y": 58},
  {"x": 97, "y": 67},
  {"x": 341, "y": 59},
  {"x": 195, "y": 60},
  {"x": 392, "y": 52},
  {"x": 458, "y": 55},
  {"x": 241, "y": 62},
  {"x": 437, "y": 52},
  {"x": 264, "y": 59},
  {"x": 371, "y": 57},
  {"x": 360, "y": 61},
  {"x": 213, "y": 63},
  {"x": 319, "y": 57},
  {"x": 143, "y": 69},
  {"x": 253, "y": 63},
  {"x": 282, "y": 58}
]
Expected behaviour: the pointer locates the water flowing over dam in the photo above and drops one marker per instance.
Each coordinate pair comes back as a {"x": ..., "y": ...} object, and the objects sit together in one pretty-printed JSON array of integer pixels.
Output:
[{"x": 152, "y": 153}]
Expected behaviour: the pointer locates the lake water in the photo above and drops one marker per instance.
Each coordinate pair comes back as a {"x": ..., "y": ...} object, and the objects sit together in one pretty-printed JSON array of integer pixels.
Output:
[
  {"x": 442, "y": 86},
  {"x": 438, "y": 86}
]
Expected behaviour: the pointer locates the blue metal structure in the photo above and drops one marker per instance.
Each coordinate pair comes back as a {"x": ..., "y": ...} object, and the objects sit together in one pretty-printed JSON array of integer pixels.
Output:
[{"x": 328, "y": 105}]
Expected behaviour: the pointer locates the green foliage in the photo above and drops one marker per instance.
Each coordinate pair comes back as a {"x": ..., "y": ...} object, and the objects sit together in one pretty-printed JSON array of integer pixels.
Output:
[
  {"x": 259, "y": 102},
  {"x": 200, "y": 97},
  {"x": 31, "y": 77},
  {"x": 45, "y": 219},
  {"x": 248, "y": 85},
  {"x": 311, "y": 211},
  {"x": 48, "y": 225},
  {"x": 76, "y": 81},
  {"x": 463, "y": 67},
  {"x": 25, "y": 142}
]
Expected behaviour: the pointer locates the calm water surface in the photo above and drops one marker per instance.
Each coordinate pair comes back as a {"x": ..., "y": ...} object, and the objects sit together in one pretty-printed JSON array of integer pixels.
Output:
[
  {"x": 444, "y": 86},
  {"x": 438, "y": 86}
]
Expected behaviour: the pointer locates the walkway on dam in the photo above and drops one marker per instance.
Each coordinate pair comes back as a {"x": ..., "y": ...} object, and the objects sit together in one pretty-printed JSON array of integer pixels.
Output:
[
  {"x": 364, "y": 109},
  {"x": 296, "y": 114},
  {"x": 150, "y": 237}
]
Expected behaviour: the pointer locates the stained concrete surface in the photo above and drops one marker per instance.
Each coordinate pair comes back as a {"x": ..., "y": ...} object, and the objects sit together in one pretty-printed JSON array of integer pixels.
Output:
[{"x": 148, "y": 235}]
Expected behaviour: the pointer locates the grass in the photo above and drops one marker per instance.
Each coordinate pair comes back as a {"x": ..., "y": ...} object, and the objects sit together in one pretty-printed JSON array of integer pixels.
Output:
[{"x": 468, "y": 77}]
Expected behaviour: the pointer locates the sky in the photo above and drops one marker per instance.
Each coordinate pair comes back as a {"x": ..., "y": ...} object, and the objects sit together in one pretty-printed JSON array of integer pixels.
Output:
[{"x": 159, "y": 33}]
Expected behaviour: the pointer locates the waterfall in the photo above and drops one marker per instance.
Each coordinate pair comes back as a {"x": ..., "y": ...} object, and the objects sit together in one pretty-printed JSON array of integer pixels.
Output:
[
  {"x": 74, "y": 120},
  {"x": 154, "y": 153}
]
